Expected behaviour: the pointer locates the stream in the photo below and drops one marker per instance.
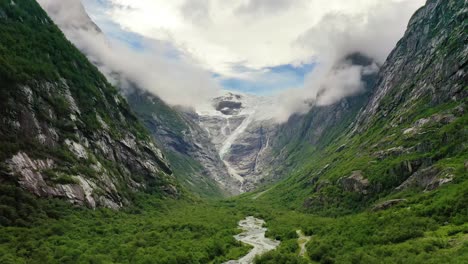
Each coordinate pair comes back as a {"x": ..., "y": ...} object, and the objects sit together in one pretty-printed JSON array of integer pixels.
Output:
[
  {"x": 253, "y": 234},
  {"x": 302, "y": 241}
]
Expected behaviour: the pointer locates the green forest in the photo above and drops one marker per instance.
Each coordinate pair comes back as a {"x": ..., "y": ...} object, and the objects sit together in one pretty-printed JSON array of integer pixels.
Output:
[
  {"x": 425, "y": 229},
  {"x": 160, "y": 220}
]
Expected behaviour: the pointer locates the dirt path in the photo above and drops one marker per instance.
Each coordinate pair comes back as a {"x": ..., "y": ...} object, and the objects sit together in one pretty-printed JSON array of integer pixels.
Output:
[
  {"x": 302, "y": 241},
  {"x": 254, "y": 234}
]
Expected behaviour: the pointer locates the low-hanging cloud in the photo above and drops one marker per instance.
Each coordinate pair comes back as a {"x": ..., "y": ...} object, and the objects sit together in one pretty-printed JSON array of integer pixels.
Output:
[
  {"x": 373, "y": 33},
  {"x": 152, "y": 65},
  {"x": 182, "y": 41}
]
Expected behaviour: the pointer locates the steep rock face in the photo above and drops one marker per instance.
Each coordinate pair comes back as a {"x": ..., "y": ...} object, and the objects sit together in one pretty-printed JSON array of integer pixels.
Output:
[
  {"x": 241, "y": 139},
  {"x": 194, "y": 156},
  {"x": 250, "y": 154},
  {"x": 411, "y": 134},
  {"x": 64, "y": 130},
  {"x": 428, "y": 64},
  {"x": 195, "y": 161},
  {"x": 319, "y": 127}
]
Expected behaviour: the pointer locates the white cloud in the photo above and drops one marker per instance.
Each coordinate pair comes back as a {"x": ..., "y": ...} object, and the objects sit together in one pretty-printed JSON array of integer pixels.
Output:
[
  {"x": 178, "y": 81},
  {"x": 241, "y": 39},
  {"x": 254, "y": 33},
  {"x": 372, "y": 32}
]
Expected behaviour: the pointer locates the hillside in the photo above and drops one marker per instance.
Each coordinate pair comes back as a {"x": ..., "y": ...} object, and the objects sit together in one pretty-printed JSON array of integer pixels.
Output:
[
  {"x": 411, "y": 135},
  {"x": 195, "y": 160},
  {"x": 65, "y": 131}
]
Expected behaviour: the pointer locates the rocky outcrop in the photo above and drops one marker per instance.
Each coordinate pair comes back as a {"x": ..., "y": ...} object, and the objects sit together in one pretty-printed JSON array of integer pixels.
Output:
[
  {"x": 428, "y": 178},
  {"x": 428, "y": 63},
  {"x": 434, "y": 119},
  {"x": 80, "y": 146},
  {"x": 64, "y": 130},
  {"x": 39, "y": 177},
  {"x": 355, "y": 183}
]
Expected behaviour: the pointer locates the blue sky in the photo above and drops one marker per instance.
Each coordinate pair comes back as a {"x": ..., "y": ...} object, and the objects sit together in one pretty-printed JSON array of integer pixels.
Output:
[
  {"x": 253, "y": 46},
  {"x": 261, "y": 81},
  {"x": 270, "y": 80}
]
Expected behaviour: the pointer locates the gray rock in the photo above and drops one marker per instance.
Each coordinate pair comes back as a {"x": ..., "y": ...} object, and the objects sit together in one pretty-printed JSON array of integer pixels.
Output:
[
  {"x": 428, "y": 178},
  {"x": 422, "y": 66},
  {"x": 37, "y": 119},
  {"x": 355, "y": 183}
]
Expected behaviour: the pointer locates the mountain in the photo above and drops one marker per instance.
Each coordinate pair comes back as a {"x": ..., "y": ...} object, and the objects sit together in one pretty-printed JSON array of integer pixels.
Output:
[
  {"x": 64, "y": 130},
  {"x": 378, "y": 177},
  {"x": 409, "y": 136},
  {"x": 239, "y": 136},
  {"x": 221, "y": 144},
  {"x": 188, "y": 146},
  {"x": 195, "y": 162},
  {"x": 254, "y": 148}
]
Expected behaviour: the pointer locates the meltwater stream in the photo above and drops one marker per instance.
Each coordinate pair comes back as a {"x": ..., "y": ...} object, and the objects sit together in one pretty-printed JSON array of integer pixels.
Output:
[{"x": 254, "y": 234}]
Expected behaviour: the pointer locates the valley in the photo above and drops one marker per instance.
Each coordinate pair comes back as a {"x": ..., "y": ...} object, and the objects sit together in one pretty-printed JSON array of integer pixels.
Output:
[
  {"x": 161, "y": 231},
  {"x": 97, "y": 168}
]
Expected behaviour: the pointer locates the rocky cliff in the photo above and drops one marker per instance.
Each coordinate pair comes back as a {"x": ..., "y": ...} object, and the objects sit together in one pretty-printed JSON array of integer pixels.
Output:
[
  {"x": 196, "y": 162},
  {"x": 190, "y": 149},
  {"x": 427, "y": 67},
  {"x": 409, "y": 136},
  {"x": 241, "y": 139},
  {"x": 64, "y": 130}
]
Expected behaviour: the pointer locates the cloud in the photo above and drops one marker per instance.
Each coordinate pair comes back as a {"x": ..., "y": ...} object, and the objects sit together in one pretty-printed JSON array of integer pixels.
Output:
[
  {"x": 152, "y": 65},
  {"x": 373, "y": 32},
  {"x": 196, "y": 11},
  {"x": 256, "y": 33},
  {"x": 174, "y": 48},
  {"x": 254, "y": 7}
]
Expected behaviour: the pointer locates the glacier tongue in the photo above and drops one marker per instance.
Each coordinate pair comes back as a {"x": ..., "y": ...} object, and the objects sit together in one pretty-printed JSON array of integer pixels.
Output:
[
  {"x": 241, "y": 140},
  {"x": 226, "y": 146}
]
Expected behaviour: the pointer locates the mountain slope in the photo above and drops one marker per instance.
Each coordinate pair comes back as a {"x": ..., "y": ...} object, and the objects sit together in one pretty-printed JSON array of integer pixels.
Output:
[
  {"x": 194, "y": 158},
  {"x": 426, "y": 69},
  {"x": 313, "y": 131},
  {"x": 65, "y": 131},
  {"x": 195, "y": 163},
  {"x": 411, "y": 136},
  {"x": 242, "y": 141}
]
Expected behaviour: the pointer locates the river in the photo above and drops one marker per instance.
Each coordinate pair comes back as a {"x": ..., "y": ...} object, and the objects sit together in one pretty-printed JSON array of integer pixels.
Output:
[{"x": 253, "y": 234}]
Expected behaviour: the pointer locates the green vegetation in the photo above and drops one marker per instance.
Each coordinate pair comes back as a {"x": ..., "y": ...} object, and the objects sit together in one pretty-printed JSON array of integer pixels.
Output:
[
  {"x": 52, "y": 93},
  {"x": 429, "y": 225},
  {"x": 165, "y": 121},
  {"x": 153, "y": 231},
  {"x": 425, "y": 229},
  {"x": 33, "y": 51}
]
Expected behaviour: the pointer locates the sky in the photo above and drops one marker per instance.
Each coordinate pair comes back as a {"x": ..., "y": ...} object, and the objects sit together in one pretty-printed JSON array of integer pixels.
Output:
[{"x": 291, "y": 49}]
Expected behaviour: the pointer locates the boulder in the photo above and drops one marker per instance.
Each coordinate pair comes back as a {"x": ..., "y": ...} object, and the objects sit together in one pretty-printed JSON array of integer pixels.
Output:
[{"x": 355, "y": 183}]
